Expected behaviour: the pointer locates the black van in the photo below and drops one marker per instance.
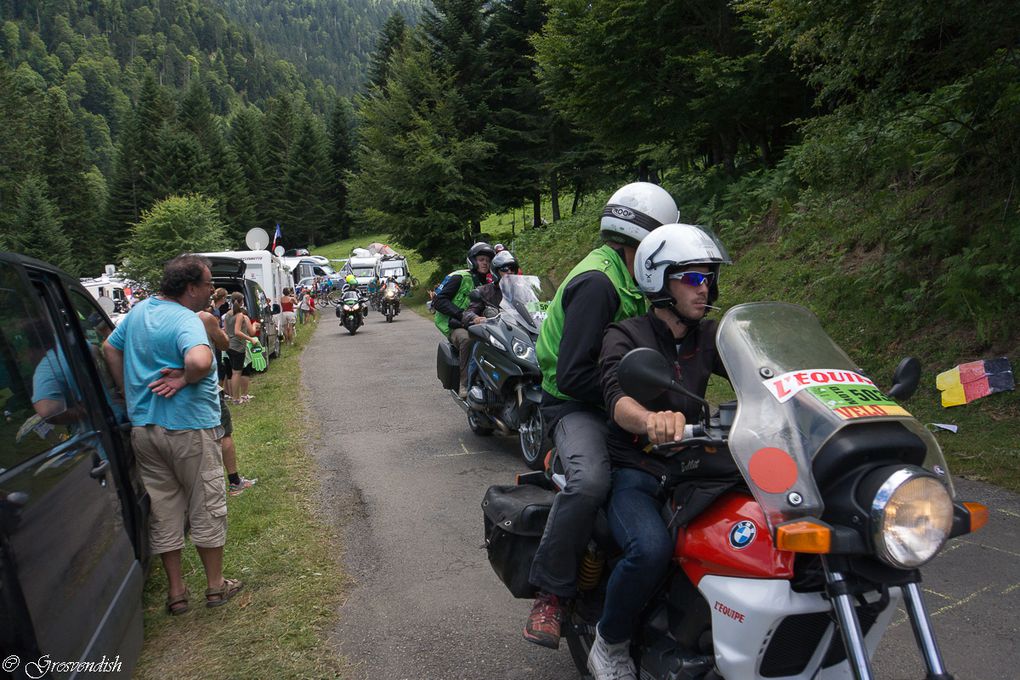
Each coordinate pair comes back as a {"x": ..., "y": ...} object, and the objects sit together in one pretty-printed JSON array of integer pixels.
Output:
[
  {"x": 228, "y": 273},
  {"x": 73, "y": 511}
]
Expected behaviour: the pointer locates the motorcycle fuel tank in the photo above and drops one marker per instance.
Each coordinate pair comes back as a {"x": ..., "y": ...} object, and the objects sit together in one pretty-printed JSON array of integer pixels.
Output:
[{"x": 731, "y": 538}]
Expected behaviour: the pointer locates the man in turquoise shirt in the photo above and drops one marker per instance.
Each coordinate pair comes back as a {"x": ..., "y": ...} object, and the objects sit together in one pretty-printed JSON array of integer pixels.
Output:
[{"x": 160, "y": 357}]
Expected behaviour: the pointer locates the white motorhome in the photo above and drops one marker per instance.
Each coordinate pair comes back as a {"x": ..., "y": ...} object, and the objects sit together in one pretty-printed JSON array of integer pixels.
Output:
[
  {"x": 363, "y": 268},
  {"x": 103, "y": 286},
  {"x": 263, "y": 268},
  {"x": 303, "y": 267}
]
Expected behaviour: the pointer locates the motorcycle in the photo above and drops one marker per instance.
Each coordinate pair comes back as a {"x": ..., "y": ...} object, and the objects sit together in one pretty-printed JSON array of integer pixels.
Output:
[
  {"x": 797, "y": 570},
  {"x": 505, "y": 390},
  {"x": 389, "y": 304},
  {"x": 351, "y": 311}
]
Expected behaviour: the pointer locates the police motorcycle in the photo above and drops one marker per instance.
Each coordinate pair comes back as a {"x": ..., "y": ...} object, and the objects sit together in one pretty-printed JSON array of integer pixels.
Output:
[
  {"x": 504, "y": 386},
  {"x": 389, "y": 299},
  {"x": 795, "y": 570},
  {"x": 351, "y": 309}
]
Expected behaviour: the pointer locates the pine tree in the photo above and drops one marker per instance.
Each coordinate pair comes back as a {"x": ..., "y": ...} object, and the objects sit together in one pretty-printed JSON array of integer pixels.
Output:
[
  {"x": 307, "y": 190},
  {"x": 183, "y": 167},
  {"x": 153, "y": 113},
  {"x": 36, "y": 228},
  {"x": 279, "y": 128},
  {"x": 390, "y": 38},
  {"x": 123, "y": 205},
  {"x": 248, "y": 141},
  {"x": 342, "y": 159},
  {"x": 64, "y": 167}
]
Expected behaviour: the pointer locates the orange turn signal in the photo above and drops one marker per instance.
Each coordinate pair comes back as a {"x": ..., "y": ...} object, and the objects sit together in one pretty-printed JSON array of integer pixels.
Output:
[
  {"x": 804, "y": 536},
  {"x": 978, "y": 515}
]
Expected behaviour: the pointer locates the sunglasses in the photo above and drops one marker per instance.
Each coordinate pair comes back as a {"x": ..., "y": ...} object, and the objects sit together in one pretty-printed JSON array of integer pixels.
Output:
[
  {"x": 508, "y": 268},
  {"x": 694, "y": 279}
]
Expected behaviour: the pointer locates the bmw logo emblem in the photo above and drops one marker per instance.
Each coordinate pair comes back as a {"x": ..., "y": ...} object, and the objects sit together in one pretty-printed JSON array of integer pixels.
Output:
[{"x": 742, "y": 534}]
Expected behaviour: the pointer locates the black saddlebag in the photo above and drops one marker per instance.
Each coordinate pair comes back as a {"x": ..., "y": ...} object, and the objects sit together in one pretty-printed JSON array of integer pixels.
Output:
[
  {"x": 515, "y": 518},
  {"x": 447, "y": 366}
]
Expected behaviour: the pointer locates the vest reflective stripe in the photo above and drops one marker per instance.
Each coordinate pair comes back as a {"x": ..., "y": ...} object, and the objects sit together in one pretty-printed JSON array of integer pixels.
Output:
[
  {"x": 632, "y": 303},
  {"x": 467, "y": 284}
]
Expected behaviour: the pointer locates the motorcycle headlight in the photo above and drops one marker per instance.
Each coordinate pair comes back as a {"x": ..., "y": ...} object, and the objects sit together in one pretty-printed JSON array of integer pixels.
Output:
[
  {"x": 522, "y": 350},
  {"x": 911, "y": 518}
]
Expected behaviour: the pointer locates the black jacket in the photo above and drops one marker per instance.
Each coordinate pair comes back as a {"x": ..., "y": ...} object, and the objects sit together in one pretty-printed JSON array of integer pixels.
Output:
[{"x": 694, "y": 361}]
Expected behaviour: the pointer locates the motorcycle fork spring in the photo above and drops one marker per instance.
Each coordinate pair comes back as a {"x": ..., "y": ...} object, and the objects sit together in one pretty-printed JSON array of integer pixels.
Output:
[{"x": 590, "y": 572}]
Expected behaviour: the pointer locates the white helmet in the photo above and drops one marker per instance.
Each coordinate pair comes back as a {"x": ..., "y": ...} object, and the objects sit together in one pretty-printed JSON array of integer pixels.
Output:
[
  {"x": 636, "y": 209},
  {"x": 671, "y": 247}
]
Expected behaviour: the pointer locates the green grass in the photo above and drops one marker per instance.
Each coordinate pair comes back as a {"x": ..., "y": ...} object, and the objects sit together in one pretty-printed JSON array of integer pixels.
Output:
[{"x": 277, "y": 627}]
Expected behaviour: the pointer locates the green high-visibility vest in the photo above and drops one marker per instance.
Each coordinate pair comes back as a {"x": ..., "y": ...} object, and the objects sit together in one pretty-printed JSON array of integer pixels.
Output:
[
  {"x": 467, "y": 284},
  {"x": 632, "y": 303}
]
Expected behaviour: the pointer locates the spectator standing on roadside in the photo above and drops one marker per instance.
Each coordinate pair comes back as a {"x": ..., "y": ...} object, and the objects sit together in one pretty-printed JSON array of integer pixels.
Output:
[
  {"x": 160, "y": 357},
  {"x": 303, "y": 307},
  {"x": 238, "y": 328},
  {"x": 236, "y": 482}
]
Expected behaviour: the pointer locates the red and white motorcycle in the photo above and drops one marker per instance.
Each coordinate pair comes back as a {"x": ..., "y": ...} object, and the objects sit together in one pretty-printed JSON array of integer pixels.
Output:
[{"x": 796, "y": 572}]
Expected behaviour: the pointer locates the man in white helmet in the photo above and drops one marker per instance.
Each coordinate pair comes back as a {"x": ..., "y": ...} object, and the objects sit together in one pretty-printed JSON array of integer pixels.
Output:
[
  {"x": 677, "y": 268},
  {"x": 598, "y": 291}
]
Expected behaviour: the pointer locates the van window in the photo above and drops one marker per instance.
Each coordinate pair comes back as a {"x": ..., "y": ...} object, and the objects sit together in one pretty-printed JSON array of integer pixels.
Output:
[
  {"x": 40, "y": 400},
  {"x": 96, "y": 329}
]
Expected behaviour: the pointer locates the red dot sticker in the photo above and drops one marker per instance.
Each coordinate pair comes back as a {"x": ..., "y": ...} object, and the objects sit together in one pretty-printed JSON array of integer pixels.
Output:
[{"x": 772, "y": 470}]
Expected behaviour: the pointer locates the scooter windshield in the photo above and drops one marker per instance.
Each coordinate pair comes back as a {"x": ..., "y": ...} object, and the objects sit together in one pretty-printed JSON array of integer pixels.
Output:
[
  {"x": 520, "y": 304},
  {"x": 795, "y": 390}
]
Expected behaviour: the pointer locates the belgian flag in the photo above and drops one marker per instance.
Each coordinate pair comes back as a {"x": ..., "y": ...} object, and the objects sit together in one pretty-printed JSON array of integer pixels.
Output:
[{"x": 967, "y": 382}]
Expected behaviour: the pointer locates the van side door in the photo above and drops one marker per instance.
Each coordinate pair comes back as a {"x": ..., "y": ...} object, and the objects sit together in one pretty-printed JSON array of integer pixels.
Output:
[{"x": 76, "y": 583}]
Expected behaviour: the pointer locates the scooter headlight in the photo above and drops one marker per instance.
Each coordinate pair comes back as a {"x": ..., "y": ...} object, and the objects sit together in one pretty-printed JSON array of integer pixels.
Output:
[
  {"x": 522, "y": 350},
  {"x": 911, "y": 518}
]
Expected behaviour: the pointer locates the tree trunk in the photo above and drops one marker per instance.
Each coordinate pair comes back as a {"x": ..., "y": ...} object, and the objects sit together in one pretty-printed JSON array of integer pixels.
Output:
[
  {"x": 476, "y": 229},
  {"x": 345, "y": 230},
  {"x": 643, "y": 171},
  {"x": 536, "y": 202},
  {"x": 577, "y": 197},
  {"x": 554, "y": 195}
]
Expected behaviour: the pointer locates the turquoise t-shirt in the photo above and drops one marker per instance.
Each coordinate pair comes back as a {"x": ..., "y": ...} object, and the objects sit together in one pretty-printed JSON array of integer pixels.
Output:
[{"x": 157, "y": 334}]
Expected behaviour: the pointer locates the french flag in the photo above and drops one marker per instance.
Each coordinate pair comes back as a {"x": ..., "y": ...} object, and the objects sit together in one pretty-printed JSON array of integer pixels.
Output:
[{"x": 276, "y": 237}]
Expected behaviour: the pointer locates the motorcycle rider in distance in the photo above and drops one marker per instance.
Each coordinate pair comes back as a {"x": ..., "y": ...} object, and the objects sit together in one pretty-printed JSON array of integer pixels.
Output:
[
  {"x": 351, "y": 283},
  {"x": 677, "y": 268},
  {"x": 489, "y": 295},
  {"x": 452, "y": 299},
  {"x": 598, "y": 291}
]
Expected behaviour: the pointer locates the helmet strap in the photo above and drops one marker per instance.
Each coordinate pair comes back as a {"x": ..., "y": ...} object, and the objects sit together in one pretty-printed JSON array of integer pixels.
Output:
[{"x": 667, "y": 302}]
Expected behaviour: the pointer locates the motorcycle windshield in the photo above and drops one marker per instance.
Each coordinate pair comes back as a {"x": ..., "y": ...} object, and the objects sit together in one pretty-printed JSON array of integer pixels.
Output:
[
  {"x": 520, "y": 304},
  {"x": 796, "y": 389}
]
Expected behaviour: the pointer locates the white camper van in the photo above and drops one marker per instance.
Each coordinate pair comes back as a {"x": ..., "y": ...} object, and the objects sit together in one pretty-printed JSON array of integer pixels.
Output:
[{"x": 263, "y": 268}]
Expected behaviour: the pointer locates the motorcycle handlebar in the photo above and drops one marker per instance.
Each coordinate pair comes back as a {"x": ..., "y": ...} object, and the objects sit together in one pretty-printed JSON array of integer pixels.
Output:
[{"x": 693, "y": 435}]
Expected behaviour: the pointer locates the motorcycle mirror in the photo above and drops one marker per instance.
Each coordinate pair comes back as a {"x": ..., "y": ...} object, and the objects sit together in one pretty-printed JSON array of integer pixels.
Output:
[
  {"x": 906, "y": 378},
  {"x": 644, "y": 374}
]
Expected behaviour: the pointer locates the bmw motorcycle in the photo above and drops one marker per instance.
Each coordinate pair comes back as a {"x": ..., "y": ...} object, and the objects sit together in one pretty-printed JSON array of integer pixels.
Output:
[
  {"x": 505, "y": 381},
  {"x": 389, "y": 303},
  {"x": 351, "y": 311},
  {"x": 797, "y": 569}
]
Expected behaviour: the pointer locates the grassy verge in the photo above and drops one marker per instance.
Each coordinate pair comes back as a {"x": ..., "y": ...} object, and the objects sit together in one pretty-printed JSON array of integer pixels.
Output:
[{"x": 277, "y": 626}]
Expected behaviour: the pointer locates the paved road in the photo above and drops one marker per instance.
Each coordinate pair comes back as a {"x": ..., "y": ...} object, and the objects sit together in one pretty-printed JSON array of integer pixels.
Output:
[{"x": 403, "y": 478}]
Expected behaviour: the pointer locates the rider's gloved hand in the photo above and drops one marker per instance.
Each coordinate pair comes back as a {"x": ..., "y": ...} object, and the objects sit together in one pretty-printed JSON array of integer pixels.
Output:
[{"x": 665, "y": 426}]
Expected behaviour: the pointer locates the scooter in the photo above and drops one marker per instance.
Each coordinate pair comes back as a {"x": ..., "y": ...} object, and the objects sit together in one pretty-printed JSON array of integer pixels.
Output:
[
  {"x": 505, "y": 381},
  {"x": 351, "y": 311},
  {"x": 796, "y": 571}
]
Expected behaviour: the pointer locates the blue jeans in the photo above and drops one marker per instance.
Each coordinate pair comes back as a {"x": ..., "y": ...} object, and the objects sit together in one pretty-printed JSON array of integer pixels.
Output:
[{"x": 638, "y": 527}]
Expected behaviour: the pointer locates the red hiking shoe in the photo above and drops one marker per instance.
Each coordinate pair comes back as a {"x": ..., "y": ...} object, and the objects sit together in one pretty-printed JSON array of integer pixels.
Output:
[{"x": 543, "y": 627}]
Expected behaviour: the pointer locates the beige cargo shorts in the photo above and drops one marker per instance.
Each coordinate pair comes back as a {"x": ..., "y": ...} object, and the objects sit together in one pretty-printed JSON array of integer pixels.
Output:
[{"x": 183, "y": 474}]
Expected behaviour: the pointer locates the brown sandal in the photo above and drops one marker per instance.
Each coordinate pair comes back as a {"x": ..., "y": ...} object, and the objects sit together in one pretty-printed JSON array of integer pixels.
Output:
[
  {"x": 216, "y": 597},
  {"x": 175, "y": 606}
]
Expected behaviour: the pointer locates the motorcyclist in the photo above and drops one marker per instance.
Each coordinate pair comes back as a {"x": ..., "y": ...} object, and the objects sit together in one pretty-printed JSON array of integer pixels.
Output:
[
  {"x": 351, "y": 284},
  {"x": 598, "y": 291},
  {"x": 677, "y": 268},
  {"x": 488, "y": 297},
  {"x": 452, "y": 298}
]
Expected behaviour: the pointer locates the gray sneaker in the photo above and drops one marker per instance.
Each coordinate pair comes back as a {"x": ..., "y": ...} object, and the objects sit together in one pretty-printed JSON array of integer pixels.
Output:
[{"x": 610, "y": 662}]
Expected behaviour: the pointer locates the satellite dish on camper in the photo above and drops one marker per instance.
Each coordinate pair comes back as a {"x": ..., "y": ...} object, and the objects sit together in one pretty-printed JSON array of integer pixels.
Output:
[
  {"x": 279, "y": 251},
  {"x": 257, "y": 238},
  {"x": 107, "y": 304}
]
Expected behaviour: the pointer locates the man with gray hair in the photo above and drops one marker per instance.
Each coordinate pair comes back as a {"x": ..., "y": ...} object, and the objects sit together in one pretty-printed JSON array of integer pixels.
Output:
[{"x": 160, "y": 357}]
